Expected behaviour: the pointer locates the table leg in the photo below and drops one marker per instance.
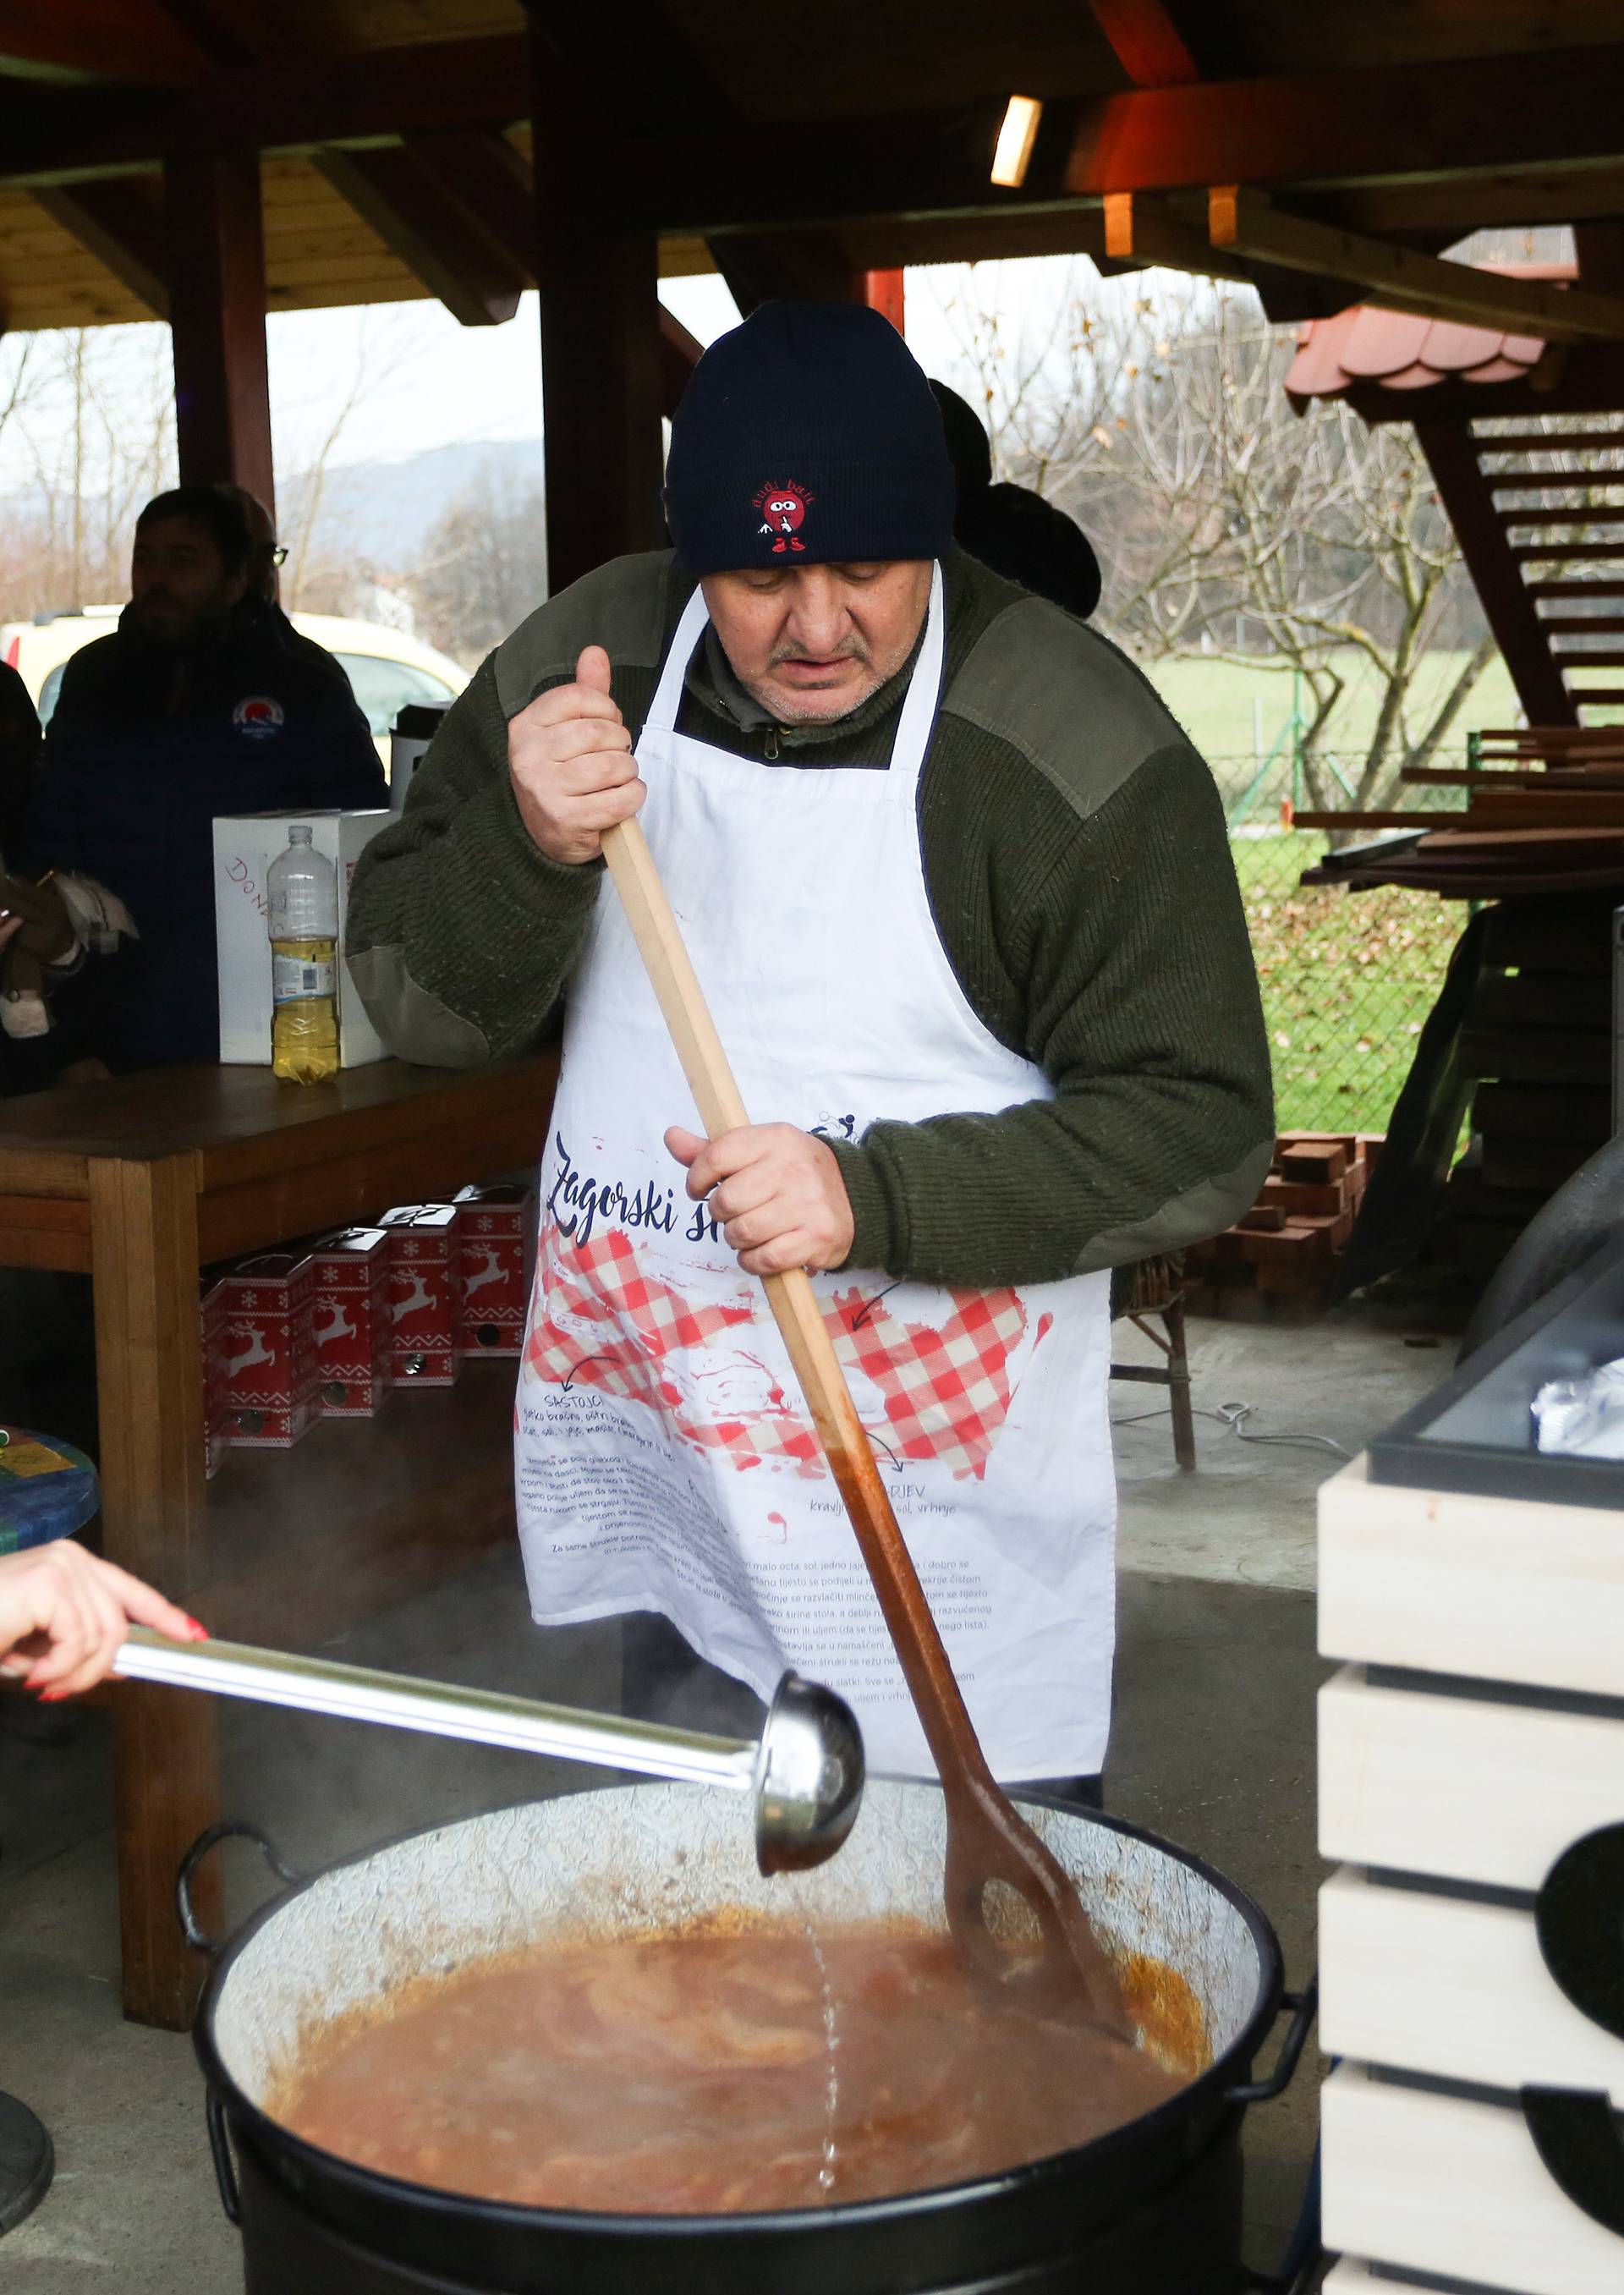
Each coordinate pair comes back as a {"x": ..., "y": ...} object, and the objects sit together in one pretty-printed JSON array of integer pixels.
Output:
[{"x": 150, "y": 1381}]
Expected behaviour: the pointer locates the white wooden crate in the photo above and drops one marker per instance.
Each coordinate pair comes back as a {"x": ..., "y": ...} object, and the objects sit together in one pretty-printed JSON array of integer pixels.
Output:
[
  {"x": 1432, "y": 2183},
  {"x": 1499, "y": 1588},
  {"x": 1435, "y": 1984},
  {"x": 1352, "y": 2278},
  {"x": 1465, "y": 1787}
]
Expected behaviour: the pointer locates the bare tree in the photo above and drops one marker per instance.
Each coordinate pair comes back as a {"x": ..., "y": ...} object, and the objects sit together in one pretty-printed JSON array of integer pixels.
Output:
[
  {"x": 88, "y": 414},
  {"x": 484, "y": 568},
  {"x": 1228, "y": 525}
]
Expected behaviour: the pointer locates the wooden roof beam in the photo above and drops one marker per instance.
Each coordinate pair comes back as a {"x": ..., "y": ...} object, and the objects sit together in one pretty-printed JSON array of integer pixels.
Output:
[
  {"x": 1139, "y": 231},
  {"x": 121, "y": 40},
  {"x": 1147, "y": 43},
  {"x": 680, "y": 354},
  {"x": 479, "y": 283},
  {"x": 633, "y": 62},
  {"x": 1557, "y": 108},
  {"x": 123, "y": 228},
  {"x": 229, "y": 33},
  {"x": 480, "y": 171},
  {"x": 1243, "y": 221}
]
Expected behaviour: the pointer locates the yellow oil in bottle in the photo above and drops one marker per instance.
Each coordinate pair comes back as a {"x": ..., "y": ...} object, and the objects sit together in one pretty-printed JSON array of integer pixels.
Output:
[{"x": 305, "y": 1025}]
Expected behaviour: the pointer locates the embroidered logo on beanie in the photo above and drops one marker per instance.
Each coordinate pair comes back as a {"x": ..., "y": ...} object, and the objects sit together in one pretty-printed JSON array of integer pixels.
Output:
[{"x": 783, "y": 513}]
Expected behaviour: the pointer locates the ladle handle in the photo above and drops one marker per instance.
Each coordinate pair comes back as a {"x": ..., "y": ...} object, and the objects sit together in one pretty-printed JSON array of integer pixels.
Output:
[
  {"x": 948, "y": 1730},
  {"x": 439, "y": 1709}
]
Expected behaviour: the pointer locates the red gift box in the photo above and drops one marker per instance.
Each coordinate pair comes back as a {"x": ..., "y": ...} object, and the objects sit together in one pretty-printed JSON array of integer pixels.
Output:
[
  {"x": 352, "y": 1331},
  {"x": 216, "y": 1383},
  {"x": 425, "y": 1293},
  {"x": 491, "y": 1236},
  {"x": 270, "y": 1359}
]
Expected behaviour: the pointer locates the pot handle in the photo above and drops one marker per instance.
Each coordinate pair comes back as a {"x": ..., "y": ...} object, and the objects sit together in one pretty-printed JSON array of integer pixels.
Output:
[
  {"x": 1305, "y": 2006},
  {"x": 195, "y": 1934},
  {"x": 225, "y": 2167}
]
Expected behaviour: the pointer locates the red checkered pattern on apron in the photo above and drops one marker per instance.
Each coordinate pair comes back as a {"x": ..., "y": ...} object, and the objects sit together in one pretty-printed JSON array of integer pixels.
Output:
[{"x": 603, "y": 1322}]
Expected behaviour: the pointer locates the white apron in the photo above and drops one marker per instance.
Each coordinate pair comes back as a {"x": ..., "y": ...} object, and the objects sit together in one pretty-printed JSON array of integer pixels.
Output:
[{"x": 663, "y": 1457}]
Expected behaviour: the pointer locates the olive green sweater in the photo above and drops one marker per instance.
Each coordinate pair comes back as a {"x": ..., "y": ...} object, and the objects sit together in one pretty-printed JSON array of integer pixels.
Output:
[{"x": 1078, "y": 870}]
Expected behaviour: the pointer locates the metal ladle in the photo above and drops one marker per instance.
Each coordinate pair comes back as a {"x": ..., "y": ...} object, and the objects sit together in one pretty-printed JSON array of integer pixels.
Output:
[{"x": 805, "y": 1774}]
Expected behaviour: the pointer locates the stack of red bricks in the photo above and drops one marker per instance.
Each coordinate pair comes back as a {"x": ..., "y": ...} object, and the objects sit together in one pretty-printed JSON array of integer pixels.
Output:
[{"x": 1279, "y": 1261}]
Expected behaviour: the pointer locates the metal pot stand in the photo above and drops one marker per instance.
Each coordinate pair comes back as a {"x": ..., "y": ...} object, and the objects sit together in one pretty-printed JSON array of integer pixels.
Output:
[{"x": 28, "y": 2161}]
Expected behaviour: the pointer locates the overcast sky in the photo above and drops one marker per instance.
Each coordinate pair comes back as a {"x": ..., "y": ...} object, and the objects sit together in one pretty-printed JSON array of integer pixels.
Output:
[{"x": 394, "y": 378}]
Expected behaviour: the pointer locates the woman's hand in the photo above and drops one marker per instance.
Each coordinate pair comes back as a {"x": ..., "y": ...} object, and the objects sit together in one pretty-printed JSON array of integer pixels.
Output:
[{"x": 64, "y": 1615}]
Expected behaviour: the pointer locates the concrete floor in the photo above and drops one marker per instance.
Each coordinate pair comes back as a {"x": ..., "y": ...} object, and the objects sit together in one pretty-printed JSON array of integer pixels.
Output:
[{"x": 1213, "y": 1747}]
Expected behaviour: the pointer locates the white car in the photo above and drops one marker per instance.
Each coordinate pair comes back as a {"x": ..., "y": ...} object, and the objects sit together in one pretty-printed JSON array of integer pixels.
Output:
[{"x": 386, "y": 668}]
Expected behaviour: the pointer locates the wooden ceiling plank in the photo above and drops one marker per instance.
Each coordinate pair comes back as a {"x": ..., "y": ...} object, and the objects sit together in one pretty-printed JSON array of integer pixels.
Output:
[
  {"x": 479, "y": 284},
  {"x": 1147, "y": 43},
  {"x": 122, "y": 229},
  {"x": 1243, "y": 222}
]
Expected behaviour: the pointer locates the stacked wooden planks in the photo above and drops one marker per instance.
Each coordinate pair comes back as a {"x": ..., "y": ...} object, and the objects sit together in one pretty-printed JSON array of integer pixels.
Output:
[
  {"x": 1545, "y": 812},
  {"x": 1278, "y": 1261}
]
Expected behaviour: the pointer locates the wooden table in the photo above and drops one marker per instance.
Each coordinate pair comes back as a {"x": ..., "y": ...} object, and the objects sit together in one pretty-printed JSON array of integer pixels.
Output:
[{"x": 139, "y": 1183}]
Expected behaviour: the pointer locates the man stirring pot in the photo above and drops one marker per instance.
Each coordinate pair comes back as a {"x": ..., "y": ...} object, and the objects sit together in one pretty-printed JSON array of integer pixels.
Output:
[{"x": 959, "y": 892}]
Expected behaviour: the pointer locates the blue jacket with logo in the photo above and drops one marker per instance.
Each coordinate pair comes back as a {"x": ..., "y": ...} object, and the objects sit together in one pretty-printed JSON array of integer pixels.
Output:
[{"x": 147, "y": 744}]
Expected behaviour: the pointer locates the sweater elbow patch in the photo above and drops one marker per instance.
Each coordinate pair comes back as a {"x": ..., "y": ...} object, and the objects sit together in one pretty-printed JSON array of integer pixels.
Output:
[
  {"x": 1206, "y": 1209},
  {"x": 414, "y": 1025}
]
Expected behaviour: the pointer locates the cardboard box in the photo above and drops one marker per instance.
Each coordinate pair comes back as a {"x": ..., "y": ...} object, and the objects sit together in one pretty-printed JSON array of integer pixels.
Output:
[
  {"x": 425, "y": 1293},
  {"x": 217, "y": 1383},
  {"x": 352, "y": 1328},
  {"x": 491, "y": 1249},
  {"x": 270, "y": 1365},
  {"x": 245, "y": 845}
]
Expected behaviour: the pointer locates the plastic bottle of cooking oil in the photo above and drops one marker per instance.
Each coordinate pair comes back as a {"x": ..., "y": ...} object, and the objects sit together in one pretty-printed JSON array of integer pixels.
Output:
[{"x": 302, "y": 903}]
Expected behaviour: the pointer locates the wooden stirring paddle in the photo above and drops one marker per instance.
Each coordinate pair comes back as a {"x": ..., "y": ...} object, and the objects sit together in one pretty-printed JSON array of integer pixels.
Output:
[{"x": 987, "y": 1842}]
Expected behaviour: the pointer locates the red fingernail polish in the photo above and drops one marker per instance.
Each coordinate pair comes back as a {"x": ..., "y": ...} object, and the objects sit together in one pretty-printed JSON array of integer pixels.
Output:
[
  {"x": 52, "y": 1696},
  {"x": 199, "y": 1631}
]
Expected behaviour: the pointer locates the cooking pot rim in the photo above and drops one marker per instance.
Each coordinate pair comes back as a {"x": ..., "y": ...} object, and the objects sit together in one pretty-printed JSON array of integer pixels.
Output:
[{"x": 1204, "y": 2090}]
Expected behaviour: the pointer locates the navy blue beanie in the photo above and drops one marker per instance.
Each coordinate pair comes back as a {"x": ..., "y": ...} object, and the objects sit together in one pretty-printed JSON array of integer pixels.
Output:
[{"x": 808, "y": 435}]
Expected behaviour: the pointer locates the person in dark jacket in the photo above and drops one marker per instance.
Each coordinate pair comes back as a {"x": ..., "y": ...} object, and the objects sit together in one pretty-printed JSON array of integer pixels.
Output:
[
  {"x": 18, "y": 762},
  {"x": 202, "y": 703},
  {"x": 1010, "y": 528}
]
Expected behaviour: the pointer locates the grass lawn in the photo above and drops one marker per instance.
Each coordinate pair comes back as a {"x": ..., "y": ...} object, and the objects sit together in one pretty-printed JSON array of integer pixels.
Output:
[
  {"x": 1348, "y": 979},
  {"x": 1212, "y": 700}
]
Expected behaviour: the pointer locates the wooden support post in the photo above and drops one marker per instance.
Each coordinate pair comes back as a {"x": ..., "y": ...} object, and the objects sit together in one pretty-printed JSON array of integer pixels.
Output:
[
  {"x": 597, "y": 268},
  {"x": 883, "y": 290},
  {"x": 217, "y": 316},
  {"x": 150, "y": 1382}
]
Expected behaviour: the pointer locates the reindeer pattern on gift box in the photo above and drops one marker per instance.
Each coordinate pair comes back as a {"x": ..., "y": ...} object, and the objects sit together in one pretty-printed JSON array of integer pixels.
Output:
[
  {"x": 328, "y": 1334},
  {"x": 257, "y": 1352},
  {"x": 417, "y": 1301},
  {"x": 492, "y": 1271}
]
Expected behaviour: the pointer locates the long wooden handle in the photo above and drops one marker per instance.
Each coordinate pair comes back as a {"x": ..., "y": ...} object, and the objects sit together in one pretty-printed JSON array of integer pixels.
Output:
[
  {"x": 987, "y": 1840},
  {"x": 947, "y": 1728}
]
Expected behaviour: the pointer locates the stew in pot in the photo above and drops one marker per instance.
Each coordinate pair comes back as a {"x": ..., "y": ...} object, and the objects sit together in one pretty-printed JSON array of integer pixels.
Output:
[{"x": 723, "y": 2068}]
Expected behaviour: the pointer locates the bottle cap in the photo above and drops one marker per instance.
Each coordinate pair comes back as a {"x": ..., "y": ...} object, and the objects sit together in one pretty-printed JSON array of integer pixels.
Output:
[{"x": 299, "y": 836}]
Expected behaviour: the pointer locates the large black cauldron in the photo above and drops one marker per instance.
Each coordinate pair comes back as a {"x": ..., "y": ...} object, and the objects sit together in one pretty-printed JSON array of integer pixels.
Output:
[{"x": 1152, "y": 2208}]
